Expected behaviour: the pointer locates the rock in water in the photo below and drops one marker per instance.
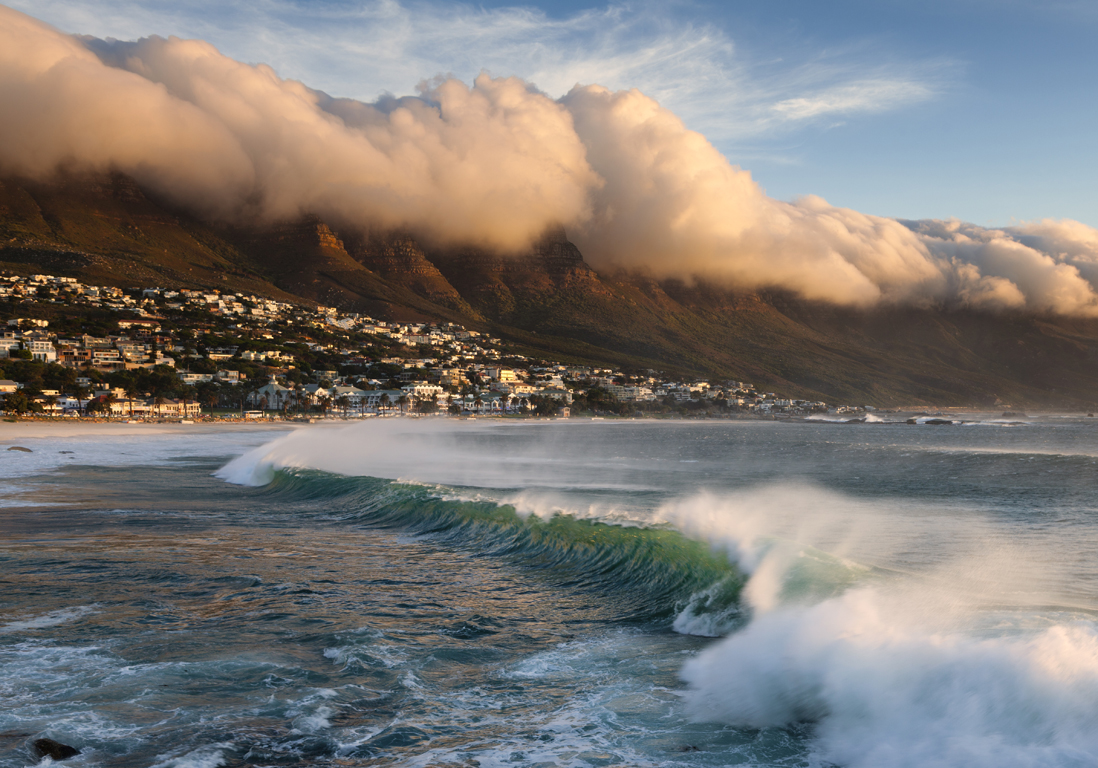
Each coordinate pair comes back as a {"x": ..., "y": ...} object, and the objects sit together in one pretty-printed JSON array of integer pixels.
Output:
[
  {"x": 20, "y": 448},
  {"x": 54, "y": 750}
]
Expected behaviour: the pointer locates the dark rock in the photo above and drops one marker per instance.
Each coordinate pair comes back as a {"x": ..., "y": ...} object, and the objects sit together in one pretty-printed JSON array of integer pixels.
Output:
[
  {"x": 689, "y": 748},
  {"x": 938, "y": 422},
  {"x": 1014, "y": 415},
  {"x": 54, "y": 750},
  {"x": 20, "y": 448},
  {"x": 912, "y": 421}
]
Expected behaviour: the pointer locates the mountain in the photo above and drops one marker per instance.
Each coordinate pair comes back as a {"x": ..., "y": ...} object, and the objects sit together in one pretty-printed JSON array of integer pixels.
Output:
[{"x": 106, "y": 229}]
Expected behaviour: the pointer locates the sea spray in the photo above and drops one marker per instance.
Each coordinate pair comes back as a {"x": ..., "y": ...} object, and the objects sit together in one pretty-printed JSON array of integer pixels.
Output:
[{"x": 890, "y": 685}]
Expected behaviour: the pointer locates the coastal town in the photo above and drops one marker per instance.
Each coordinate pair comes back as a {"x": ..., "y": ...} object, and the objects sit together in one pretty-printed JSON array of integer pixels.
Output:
[{"x": 73, "y": 350}]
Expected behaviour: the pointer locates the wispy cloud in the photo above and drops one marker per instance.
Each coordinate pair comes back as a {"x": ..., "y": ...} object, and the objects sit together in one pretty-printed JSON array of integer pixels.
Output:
[
  {"x": 877, "y": 95},
  {"x": 364, "y": 49}
]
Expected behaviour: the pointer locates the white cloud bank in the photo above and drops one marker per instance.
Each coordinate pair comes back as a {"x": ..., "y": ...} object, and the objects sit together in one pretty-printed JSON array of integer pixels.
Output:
[
  {"x": 368, "y": 47},
  {"x": 496, "y": 163}
]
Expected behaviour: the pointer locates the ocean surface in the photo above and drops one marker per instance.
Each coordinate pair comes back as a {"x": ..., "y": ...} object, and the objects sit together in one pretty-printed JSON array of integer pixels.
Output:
[{"x": 553, "y": 593}]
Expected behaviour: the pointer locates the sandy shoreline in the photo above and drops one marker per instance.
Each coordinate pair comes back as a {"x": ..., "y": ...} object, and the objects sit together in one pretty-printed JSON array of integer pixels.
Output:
[
  {"x": 29, "y": 429},
  {"x": 11, "y": 433}
]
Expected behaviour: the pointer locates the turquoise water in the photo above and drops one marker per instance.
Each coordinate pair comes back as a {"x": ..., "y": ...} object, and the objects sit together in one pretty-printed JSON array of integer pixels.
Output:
[{"x": 556, "y": 594}]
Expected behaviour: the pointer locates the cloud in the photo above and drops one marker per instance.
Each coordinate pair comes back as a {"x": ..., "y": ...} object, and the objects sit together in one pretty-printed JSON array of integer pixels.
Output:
[
  {"x": 364, "y": 49},
  {"x": 1050, "y": 265},
  {"x": 864, "y": 96},
  {"x": 61, "y": 104},
  {"x": 495, "y": 164},
  {"x": 674, "y": 205},
  {"x": 488, "y": 164}
]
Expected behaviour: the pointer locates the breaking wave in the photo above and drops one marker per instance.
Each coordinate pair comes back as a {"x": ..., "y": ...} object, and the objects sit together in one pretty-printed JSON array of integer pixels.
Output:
[
  {"x": 653, "y": 571},
  {"x": 886, "y": 667}
]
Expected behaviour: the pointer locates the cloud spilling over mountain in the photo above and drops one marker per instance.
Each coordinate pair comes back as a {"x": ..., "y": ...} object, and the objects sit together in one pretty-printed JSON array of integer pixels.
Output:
[{"x": 494, "y": 164}]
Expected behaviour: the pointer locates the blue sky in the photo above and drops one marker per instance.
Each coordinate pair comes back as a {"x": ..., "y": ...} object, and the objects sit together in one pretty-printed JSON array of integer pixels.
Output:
[{"x": 983, "y": 110}]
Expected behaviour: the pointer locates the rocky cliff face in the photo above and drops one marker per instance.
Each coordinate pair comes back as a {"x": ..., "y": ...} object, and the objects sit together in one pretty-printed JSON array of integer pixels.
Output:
[
  {"x": 515, "y": 288},
  {"x": 399, "y": 259}
]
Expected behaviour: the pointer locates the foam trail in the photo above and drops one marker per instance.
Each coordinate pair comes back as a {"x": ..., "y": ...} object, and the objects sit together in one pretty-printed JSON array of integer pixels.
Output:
[
  {"x": 51, "y": 619},
  {"x": 429, "y": 451}
]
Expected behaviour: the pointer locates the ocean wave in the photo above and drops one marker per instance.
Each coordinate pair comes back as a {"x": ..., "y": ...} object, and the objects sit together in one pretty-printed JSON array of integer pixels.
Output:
[
  {"x": 868, "y": 418},
  {"x": 652, "y": 568},
  {"x": 894, "y": 679},
  {"x": 888, "y": 667}
]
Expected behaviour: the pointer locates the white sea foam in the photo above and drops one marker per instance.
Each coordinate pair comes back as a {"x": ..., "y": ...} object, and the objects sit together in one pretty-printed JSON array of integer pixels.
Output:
[
  {"x": 314, "y": 721},
  {"x": 56, "y": 446},
  {"x": 868, "y": 418},
  {"x": 896, "y": 669},
  {"x": 51, "y": 619},
  {"x": 894, "y": 680},
  {"x": 211, "y": 756},
  {"x": 438, "y": 451}
]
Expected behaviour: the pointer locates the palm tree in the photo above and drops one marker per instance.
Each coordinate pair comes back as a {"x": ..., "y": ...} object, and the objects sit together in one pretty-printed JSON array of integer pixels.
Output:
[
  {"x": 186, "y": 392},
  {"x": 343, "y": 402},
  {"x": 80, "y": 392},
  {"x": 402, "y": 401},
  {"x": 477, "y": 402},
  {"x": 384, "y": 401},
  {"x": 131, "y": 392}
]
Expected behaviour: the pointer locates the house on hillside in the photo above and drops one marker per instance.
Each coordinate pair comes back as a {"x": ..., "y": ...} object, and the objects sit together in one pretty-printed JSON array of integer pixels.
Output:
[
  {"x": 355, "y": 397},
  {"x": 382, "y": 400},
  {"x": 422, "y": 390},
  {"x": 271, "y": 396}
]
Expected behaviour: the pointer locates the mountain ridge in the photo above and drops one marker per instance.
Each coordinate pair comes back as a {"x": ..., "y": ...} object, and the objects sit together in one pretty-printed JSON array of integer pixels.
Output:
[{"x": 105, "y": 228}]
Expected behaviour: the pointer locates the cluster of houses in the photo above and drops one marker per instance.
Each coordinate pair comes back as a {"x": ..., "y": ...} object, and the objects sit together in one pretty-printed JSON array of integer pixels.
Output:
[
  {"x": 371, "y": 396},
  {"x": 67, "y": 290},
  {"x": 457, "y": 369},
  {"x": 502, "y": 390},
  {"x": 112, "y": 402}
]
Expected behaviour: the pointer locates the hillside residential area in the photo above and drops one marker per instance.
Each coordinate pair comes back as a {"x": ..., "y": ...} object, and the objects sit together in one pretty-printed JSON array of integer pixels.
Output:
[{"x": 69, "y": 349}]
